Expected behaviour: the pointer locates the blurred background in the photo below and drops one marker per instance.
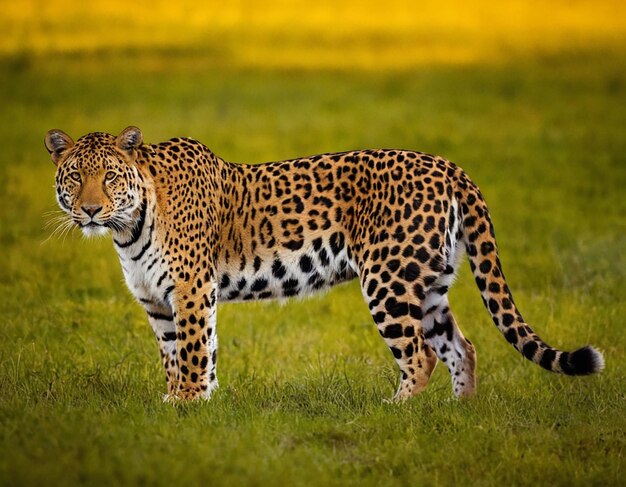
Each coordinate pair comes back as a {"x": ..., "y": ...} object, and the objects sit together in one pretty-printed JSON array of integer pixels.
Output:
[
  {"x": 528, "y": 97},
  {"x": 366, "y": 34},
  {"x": 190, "y": 68}
]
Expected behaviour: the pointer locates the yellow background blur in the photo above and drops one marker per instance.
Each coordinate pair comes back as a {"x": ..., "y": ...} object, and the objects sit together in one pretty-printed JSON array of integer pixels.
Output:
[{"x": 308, "y": 34}]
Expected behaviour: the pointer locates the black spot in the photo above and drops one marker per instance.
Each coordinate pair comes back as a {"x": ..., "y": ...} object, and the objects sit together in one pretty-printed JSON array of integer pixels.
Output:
[
  {"x": 323, "y": 255},
  {"x": 418, "y": 239},
  {"x": 380, "y": 317},
  {"x": 294, "y": 244},
  {"x": 434, "y": 242},
  {"x": 493, "y": 306},
  {"x": 398, "y": 288},
  {"x": 314, "y": 280},
  {"x": 160, "y": 316},
  {"x": 225, "y": 282},
  {"x": 290, "y": 284},
  {"x": 442, "y": 290},
  {"x": 428, "y": 280},
  {"x": 470, "y": 221},
  {"x": 430, "y": 224},
  {"x": 408, "y": 251},
  {"x": 397, "y": 353},
  {"x": 396, "y": 309},
  {"x": 485, "y": 266},
  {"x": 511, "y": 335},
  {"x": 529, "y": 350},
  {"x": 384, "y": 252},
  {"x": 440, "y": 329},
  {"x": 486, "y": 248},
  {"x": 259, "y": 285},
  {"x": 371, "y": 288},
  {"x": 337, "y": 242},
  {"x": 393, "y": 265},
  {"x": 482, "y": 283},
  {"x": 418, "y": 290},
  {"x": 306, "y": 264},
  {"x": 385, "y": 277},
  {"x": 278, "y": 269},
  {"x": 411, "y": 272},
  {"x": 507, "y": 319},
  {"x": 393, "y": 331},
  {"x": 291, "y": 292},
  {"x": 436, "y": 263},
  {"x": 422, "y": 255},
  {"x": 415, "y": 312}
]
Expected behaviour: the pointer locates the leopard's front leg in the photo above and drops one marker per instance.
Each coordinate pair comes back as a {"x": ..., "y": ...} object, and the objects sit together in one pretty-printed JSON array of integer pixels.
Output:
[
  {"x": 162, "y": 322},
  {"x": 195, "y": 307}
]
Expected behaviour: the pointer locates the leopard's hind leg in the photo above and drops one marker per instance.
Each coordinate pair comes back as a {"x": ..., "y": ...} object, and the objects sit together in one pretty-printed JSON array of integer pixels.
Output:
[
  {"x": 444, "y": 336},
  {"x": 397, "y": 313}
]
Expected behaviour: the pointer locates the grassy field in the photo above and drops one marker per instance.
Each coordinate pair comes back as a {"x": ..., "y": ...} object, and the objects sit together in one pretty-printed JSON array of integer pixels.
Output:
[{"x": 302, "y": 385}]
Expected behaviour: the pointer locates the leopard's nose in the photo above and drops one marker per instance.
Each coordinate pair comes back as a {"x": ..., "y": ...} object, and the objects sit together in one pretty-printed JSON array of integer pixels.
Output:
[{"x": 91, "y": 210}]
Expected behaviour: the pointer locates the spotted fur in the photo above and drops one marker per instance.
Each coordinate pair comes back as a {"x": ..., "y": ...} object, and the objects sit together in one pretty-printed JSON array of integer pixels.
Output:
[{"x": 192, "y": 230}]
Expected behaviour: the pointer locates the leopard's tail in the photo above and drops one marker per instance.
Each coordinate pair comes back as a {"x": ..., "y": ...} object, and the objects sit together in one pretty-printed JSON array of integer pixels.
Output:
[{"x": 480, "y": 244}]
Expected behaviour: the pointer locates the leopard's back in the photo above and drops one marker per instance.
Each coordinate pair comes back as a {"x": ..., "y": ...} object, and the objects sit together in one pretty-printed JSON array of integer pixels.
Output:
[{"x": 295, "y": 227}]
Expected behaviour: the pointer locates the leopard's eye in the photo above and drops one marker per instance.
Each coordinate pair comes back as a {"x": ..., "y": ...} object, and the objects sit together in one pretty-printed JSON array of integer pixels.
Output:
[
  {"x": 110, "y": 176},
  {"x": 75, "y": 176}
]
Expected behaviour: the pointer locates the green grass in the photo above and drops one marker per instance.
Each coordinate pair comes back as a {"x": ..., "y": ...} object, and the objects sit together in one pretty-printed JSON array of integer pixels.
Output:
[{"x": 302, "y": 385}]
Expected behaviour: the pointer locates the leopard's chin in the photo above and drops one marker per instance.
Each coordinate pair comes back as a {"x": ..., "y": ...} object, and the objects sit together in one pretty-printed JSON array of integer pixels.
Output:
[{"x": 94, "y": 230}]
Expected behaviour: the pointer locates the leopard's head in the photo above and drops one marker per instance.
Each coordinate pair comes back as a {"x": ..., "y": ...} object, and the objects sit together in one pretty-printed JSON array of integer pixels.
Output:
[{"x": 97, "y": 182}]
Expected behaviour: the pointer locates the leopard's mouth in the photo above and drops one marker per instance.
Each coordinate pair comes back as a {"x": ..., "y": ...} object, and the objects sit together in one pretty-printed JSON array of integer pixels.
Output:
[
  {"x": 91, "y": 224},
  {"x": 93, "y": 228}
]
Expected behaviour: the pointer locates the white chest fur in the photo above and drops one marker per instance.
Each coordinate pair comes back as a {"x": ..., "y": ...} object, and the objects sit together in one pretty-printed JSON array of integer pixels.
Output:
[{"x": 143, "y": 263}]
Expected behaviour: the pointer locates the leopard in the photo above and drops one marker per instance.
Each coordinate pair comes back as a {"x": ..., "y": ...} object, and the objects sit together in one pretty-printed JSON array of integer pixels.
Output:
[{"x": 193, "y": 230}]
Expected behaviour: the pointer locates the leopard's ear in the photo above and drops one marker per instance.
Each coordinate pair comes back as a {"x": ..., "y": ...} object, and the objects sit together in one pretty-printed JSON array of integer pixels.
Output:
[
  {"x": 57, "y": 142},
  {"x": 129, "y": 140}
]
